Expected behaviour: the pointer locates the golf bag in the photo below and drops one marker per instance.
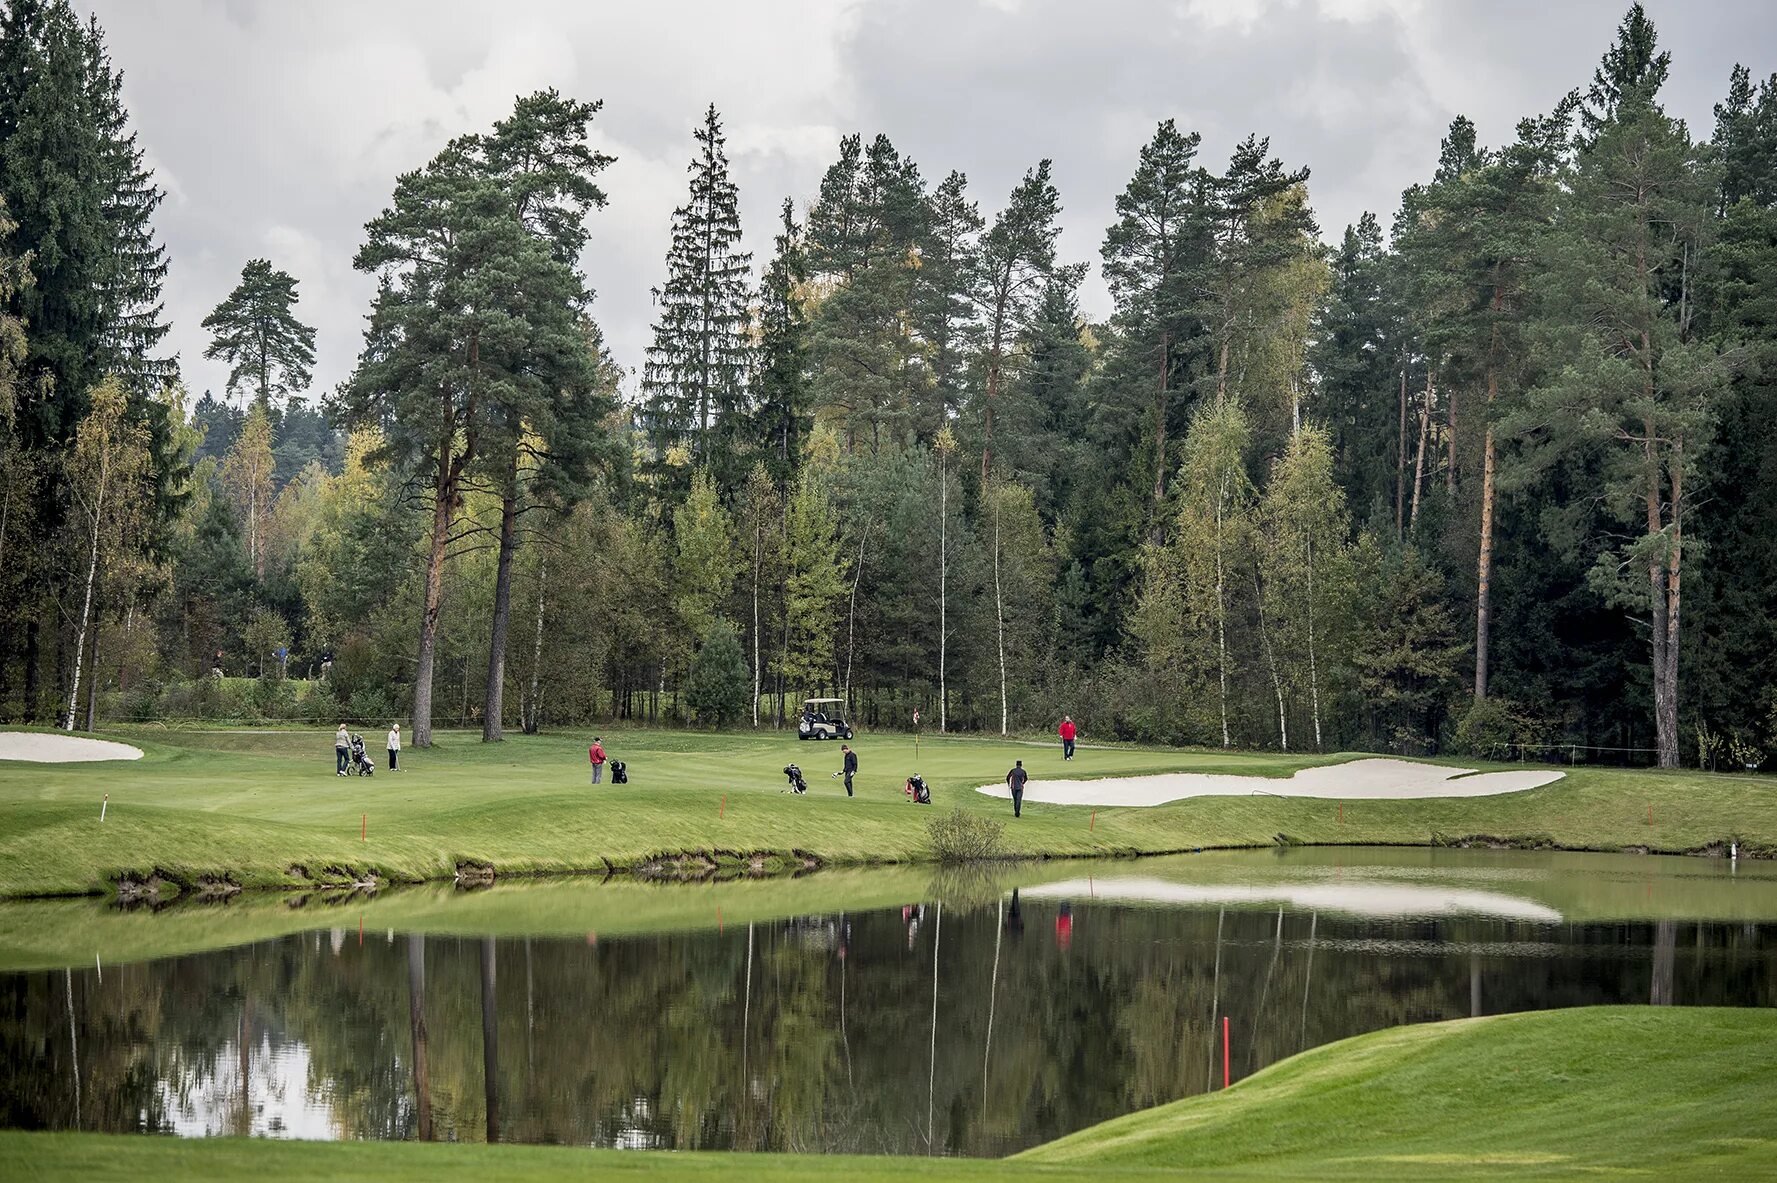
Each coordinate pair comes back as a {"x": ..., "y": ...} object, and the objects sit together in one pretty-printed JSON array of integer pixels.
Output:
[
  {"x": 619, "y": 772},
  {"x": 794, "y": 775},
  {"x": 361, "y": 763},
  {"x": 916, "y": 788}
]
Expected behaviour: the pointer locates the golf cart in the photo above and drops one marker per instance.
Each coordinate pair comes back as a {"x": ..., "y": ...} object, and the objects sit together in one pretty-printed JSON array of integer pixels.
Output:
[{"x": 816, "y": 723}]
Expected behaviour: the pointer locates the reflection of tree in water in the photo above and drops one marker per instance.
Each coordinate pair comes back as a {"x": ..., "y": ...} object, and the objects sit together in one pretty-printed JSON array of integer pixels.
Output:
[{"x": 639, "y": 1041}]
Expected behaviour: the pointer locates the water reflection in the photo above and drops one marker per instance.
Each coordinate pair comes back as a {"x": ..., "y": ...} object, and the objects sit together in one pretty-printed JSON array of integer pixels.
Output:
[{"x": 1028, "y": 1015}]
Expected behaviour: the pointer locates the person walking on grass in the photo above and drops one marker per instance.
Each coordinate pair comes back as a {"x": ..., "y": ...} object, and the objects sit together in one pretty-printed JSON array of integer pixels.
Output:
[
  {"x": 596, "y": 753},
  {"x": 851, "y": 766},
  {"x": 1016, "y": 779},
  {"x": 342, "y": 743},
  {"x": 1067, "y": 733},
  {"x": 395, "y": 747}
]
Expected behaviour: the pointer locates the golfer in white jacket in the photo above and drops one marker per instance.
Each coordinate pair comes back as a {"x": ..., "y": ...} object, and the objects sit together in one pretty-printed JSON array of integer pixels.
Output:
[{"x": 395, "y": 747}]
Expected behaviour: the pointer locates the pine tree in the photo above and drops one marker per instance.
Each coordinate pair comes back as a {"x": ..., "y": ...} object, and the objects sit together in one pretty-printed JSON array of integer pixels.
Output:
[
  {"x": 1355, "y": 359},
  {"x": 476, "y": 315},
  {"x": 553, "y": 421},
  {"x": 255, "y": 330},
  {"x": 1153, "y": 256},
  {"x": 1017, "y": 258},
  {"x": 1639, "y": 393},
  {"x": 944, "y": 307},
  {"x": 695, "y": 383}
]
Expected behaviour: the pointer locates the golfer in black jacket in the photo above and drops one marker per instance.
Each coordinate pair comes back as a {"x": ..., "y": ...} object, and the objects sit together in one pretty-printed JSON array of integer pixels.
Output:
[
  {"x": 851, "y": 765},
  {"x": 1016, "y": 779}
]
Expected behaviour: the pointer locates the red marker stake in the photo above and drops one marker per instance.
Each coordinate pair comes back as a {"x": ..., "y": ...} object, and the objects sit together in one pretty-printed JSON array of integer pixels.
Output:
[
  {"x": 364, "y": 827},
  {"x": 1224, "y": 1051},
  {"x": 1093, "y": 824}
]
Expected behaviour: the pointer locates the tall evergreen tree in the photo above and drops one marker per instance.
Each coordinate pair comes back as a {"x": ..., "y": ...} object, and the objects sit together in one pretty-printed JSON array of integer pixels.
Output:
[
  {"x": 476, "y": 315},
  {"x": 1640, "y": 392},
  {"x": 1152, "y": 259},
  {"x": 255, "y": 330},
  {"x": 1017, "y": 257},
  {"x": 780, "y": 384},
  {"x": 695, "y": 383}
]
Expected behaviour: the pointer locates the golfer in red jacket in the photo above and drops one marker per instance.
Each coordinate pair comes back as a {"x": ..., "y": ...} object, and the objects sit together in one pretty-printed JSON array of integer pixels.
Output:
[
  {"x": 596, "y": 753},
  {"x": 1066, "y": 731}
]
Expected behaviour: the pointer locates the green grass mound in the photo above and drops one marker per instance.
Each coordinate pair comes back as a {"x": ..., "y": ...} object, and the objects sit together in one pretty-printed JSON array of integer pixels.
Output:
[
  {"x": 1637, "y": 1091},
  {"x": 1645, "y": 1091}
]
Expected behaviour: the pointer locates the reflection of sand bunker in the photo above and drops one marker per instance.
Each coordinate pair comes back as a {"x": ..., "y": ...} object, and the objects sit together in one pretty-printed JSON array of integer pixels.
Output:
[
  {"x": 39, "y": 748},
  {"x": 1375, "y": 779},
  {"x": 1357, "y": 899}
]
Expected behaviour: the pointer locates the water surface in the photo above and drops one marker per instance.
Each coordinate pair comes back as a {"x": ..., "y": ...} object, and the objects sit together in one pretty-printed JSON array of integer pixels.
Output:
[{"x": 984, "y": 1015}]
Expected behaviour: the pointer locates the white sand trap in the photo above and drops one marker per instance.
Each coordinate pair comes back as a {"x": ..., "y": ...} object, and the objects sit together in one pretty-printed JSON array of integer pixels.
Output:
[
  {"x": 39, "y": 748},
  {"x": 1376, "y": 899},
  {"x": 1357, "y": 780}
]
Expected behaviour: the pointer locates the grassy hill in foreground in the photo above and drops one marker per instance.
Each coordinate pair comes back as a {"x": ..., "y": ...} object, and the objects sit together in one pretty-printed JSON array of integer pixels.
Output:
[
  {"x": 263, "y": 808},
  {"x": 1642, "y": 1091}
]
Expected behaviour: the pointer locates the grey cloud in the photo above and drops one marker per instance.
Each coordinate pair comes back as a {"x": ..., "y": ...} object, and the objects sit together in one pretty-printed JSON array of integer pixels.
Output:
[{"x": 279, "y": 128}]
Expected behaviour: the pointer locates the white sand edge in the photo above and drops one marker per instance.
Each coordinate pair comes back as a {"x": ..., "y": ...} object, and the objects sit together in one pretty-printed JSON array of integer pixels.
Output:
[
  {"x": 36, "y": 747},
  {"x": 1373, "y": 899},
  {"x": 1357, "y": 780}
]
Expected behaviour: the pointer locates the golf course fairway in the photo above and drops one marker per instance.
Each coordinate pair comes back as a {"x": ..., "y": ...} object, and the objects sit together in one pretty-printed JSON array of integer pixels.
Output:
[
  {"x": 1642, "y": 1092},
  {"x": 262, "y": 808}
]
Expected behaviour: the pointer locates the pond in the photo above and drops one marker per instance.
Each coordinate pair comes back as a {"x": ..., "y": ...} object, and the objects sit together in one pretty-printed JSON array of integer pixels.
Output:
[{"x": 987, "y": 1013}]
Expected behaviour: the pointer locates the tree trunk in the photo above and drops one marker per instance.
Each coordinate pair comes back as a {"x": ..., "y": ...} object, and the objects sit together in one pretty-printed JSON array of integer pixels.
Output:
[
  {"x": 434, "y": 597},
  {"x": 1450, "y": 441},
  {"x": 1419, "y": 455},
  {"x": 943, "y": 584},
  {"x": 416, "y": 1022},
  {"x": 1222, "y": 614},
  {"x": 490, "y": 1041},
  {"x": 1160, "y": 436},
  {"x": 86, "y": 605},
  {"x": 851, "y": 615},
  {"x": 758, "y": 565},
  {"x": 1313, "y": 668},
  {"x": 494, "y": 697},
  {"x": 1400, "y": 460},
  {"x": 1283, "y": 722},
  {"x": 534, "y": 709},
  {"x": 999, "y": 616},
  {"x": 92, "y": 681}
]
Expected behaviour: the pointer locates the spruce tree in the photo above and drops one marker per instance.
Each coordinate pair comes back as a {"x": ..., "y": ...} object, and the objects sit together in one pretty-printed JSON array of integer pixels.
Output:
[
  {"x": 944, "y": 301},
  {"x": 694, "y": 385},
  {"x": 780, "y": 385},
  {"x": 256, "y": 332}
]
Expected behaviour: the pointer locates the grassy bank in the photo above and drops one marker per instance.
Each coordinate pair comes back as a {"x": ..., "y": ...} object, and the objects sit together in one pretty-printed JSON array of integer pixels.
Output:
[
  {"x": 1577, "y": 888},
  {"x": 1651, "y": 1092},
  {"x": 263, "y": 808}
]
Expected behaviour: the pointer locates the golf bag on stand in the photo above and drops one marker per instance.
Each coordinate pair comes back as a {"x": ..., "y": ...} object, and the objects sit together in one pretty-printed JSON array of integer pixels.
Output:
[{"x": 916, "y": 789}]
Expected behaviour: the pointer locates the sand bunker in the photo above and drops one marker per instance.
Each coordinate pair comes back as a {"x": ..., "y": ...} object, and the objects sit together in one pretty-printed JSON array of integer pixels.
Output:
[
  {"x": 1373, "y": 779},
  {"x": 39, "y": 748}
]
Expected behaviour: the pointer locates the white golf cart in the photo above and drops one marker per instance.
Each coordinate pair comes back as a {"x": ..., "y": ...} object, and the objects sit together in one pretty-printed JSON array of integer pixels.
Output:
[{"x": 817, "y": 723}]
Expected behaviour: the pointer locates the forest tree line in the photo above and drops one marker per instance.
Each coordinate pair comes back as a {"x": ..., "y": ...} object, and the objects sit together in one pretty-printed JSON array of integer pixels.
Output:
[{"x": 1504, "y": 472}]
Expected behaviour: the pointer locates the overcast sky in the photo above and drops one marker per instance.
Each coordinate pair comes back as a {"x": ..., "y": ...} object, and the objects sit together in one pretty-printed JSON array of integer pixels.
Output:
[{"x": 278, "y": 128}]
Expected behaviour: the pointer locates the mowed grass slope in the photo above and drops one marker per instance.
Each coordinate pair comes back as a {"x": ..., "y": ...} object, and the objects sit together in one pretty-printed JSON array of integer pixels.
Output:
[
  {"x": 1638, "y": 1091},
  {"x": 251, "y": 805}
]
